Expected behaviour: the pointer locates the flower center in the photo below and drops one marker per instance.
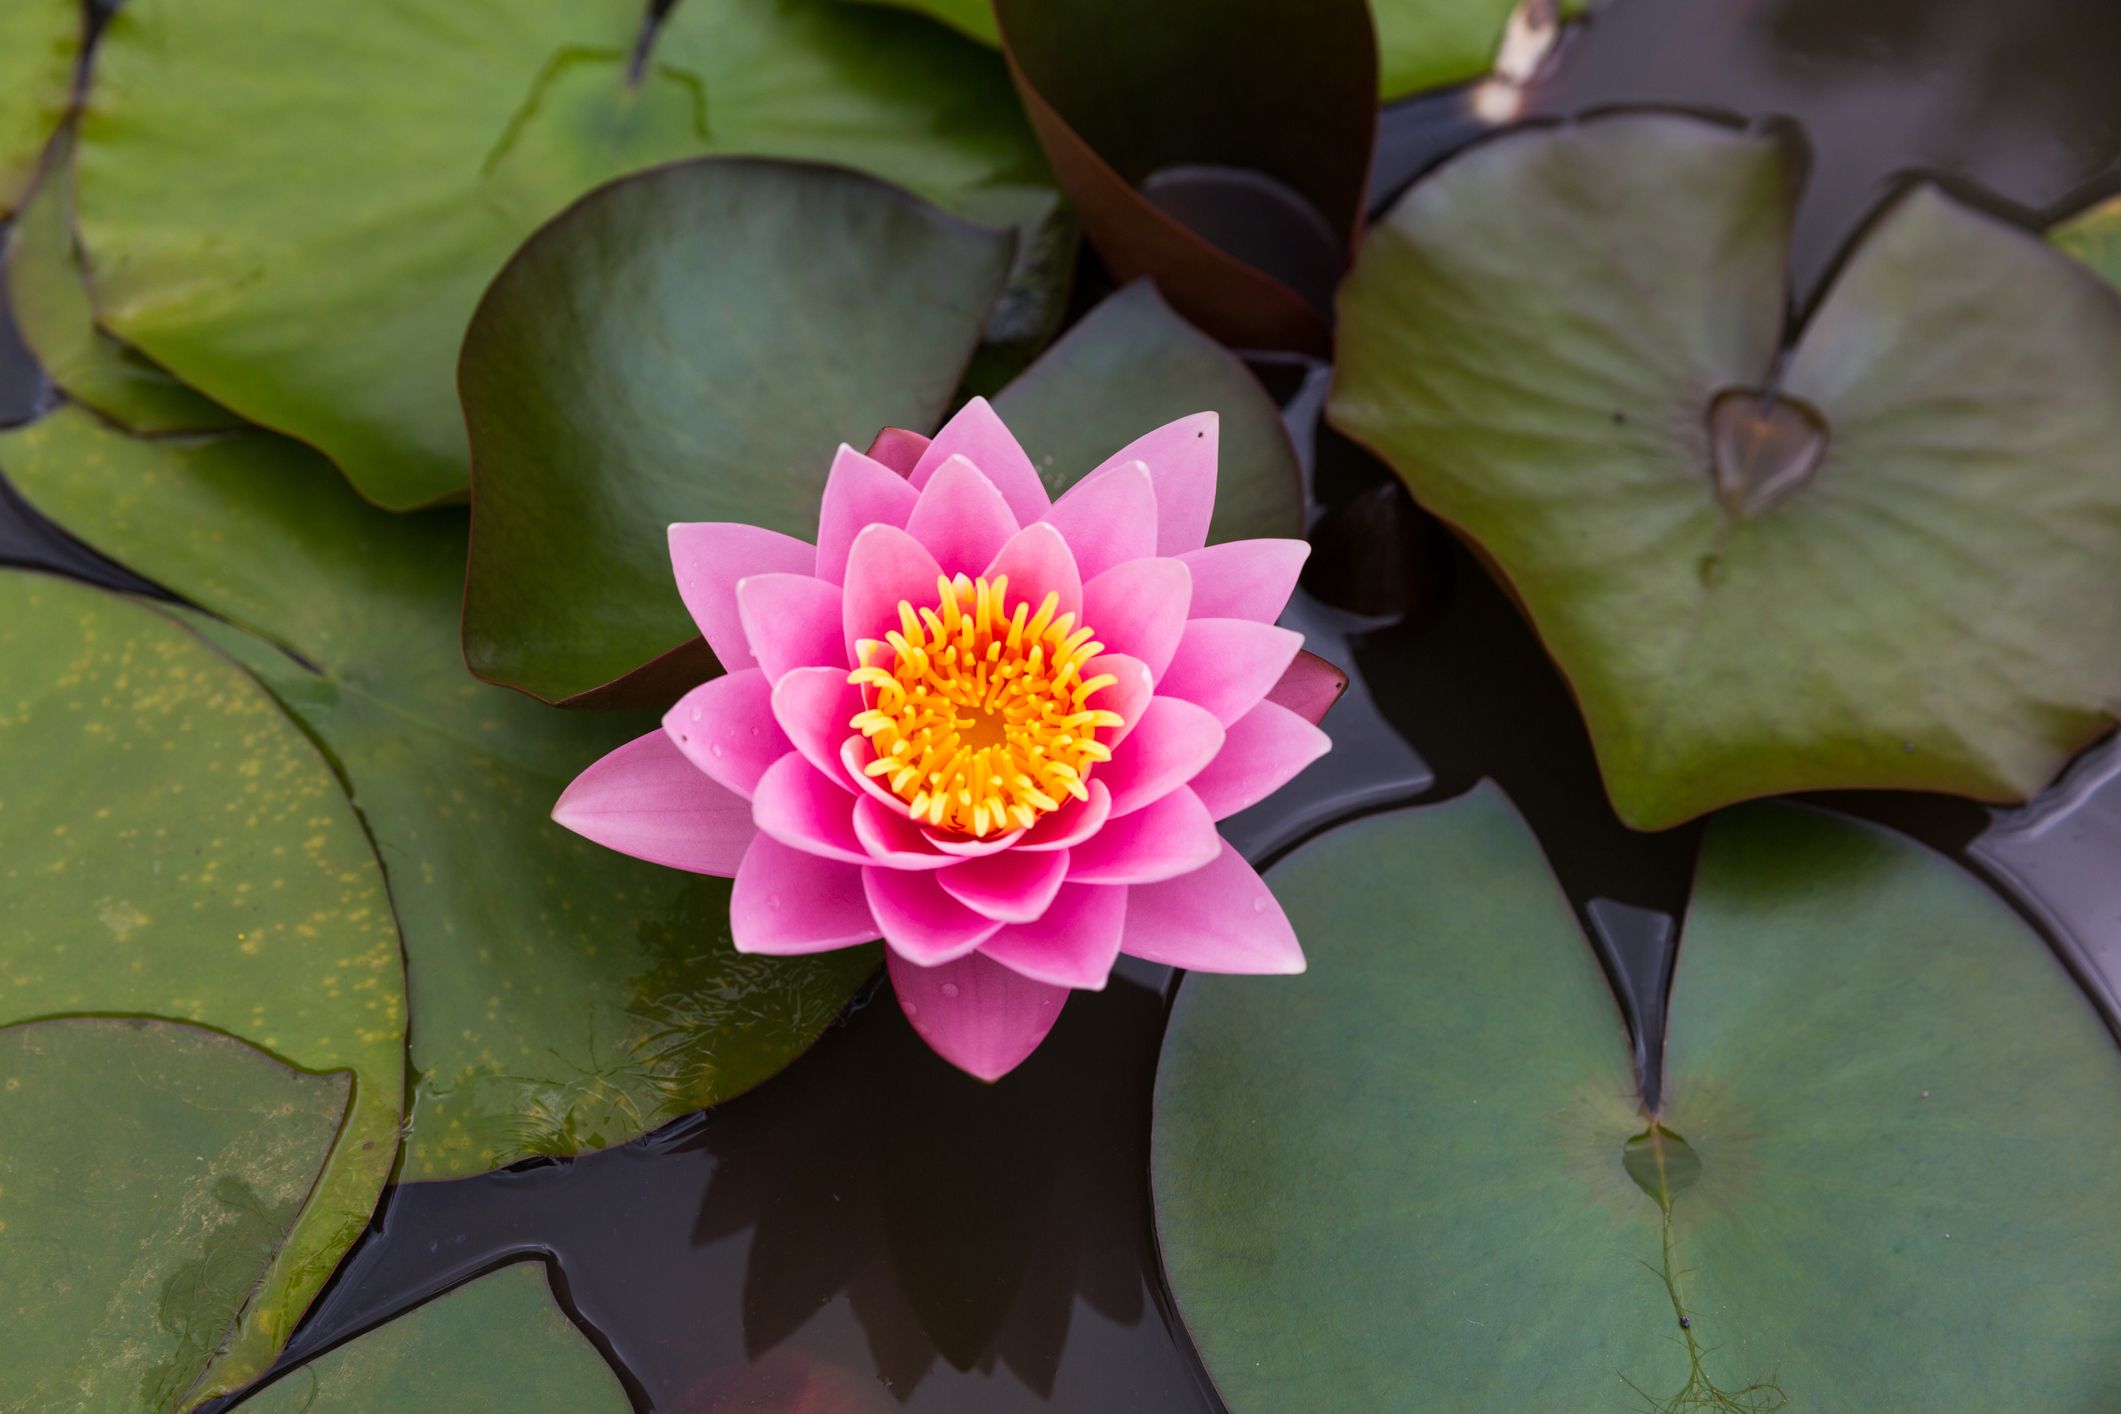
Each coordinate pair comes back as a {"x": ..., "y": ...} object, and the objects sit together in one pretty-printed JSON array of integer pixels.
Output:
[{"x": 980, "y": 717}]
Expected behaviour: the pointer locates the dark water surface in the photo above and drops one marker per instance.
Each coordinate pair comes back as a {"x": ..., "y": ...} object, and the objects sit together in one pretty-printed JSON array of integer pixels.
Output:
[{"x": 876, "y": 1231}]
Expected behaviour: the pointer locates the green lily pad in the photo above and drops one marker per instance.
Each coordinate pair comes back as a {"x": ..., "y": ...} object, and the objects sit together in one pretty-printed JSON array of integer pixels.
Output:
[
  {"x": 1892, "y": 559},
  {"x": 614, "y": 381},
  {"x": 40, "y": 42},
  {"x": 1428, "y": 44},
  {"x": 171, "y": 844},
  {"x": 496, "y": 1343},
  {"x": 151, "y": 1173},
  {"x": 568, "y": 998},
  {"x": 295, "y": 209},
  {"x": 971, "y": 18},
  {"x": 1883, "y": 1176},
  {"x": 2094, "y": 237}
]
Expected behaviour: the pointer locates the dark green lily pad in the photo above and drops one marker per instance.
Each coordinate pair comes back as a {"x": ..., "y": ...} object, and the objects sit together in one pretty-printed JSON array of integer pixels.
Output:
[
  {"x": 972, "y": 18},
  {"x": 496, "y": 1343},
  {"x": 1892, "y": 560},
  {"x": 151, "y": 1173},
  {"x": 568, "y": 998},
  {"x": 1883, "y": 1176},
  {"x": 40, "y": 41},
  {"x": 296, "y": 208},
  {"x": 615, "y": 381},
  {"x": 171, "y": 844}
]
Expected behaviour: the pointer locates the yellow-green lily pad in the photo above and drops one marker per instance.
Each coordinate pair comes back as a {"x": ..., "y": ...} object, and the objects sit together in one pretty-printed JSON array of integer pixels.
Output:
[{"x": 40, "y": 42}]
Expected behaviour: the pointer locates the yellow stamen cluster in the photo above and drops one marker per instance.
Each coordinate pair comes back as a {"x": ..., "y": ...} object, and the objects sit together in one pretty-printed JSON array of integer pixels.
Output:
[{"x": 980, "y": 718}]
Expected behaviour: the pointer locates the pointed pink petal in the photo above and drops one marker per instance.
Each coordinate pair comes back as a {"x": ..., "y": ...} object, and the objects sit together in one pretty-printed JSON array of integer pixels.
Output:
[
  {"x": 920, "y": 922},
  {"x": 885, "y": 566},
  {"x": 967, "y": 846},
  {"x": 791, "y": 621},
  {"x": 709, "y": 557},
  {"x": 1128, "y": 694},
  {"x": 855, "y": 755},
  {"x": 1014, "y": 887},
  {"x": 1228, "y": 665},
  {"x": 645, "y": 799},
  {"x": 1139, "y": 609},
  {"x": 786, "y": 901},
  {"x": 1169, "y": 746},
  {"x": 1181, "y": 458},
  {"x": 1245, "y": 579},
  {"x": 899, "y": 448},
  {"x": 1038, "y": 562},
  {"x": 725, "y": 727},
  {"x": 1174, "y": 836},
  {"x": 861, "y": 491},
  {"x": 894, "y": 841},
  {"x": 1074, "y": 945},
  {"x": 1262, "y": 752},
  {"x": 1108, "y": 518},
  {"x": 1073, "y": 823},
  {"x": 797, "y": 805},
  {"x": 1221, "y": 918},
  {"x": 813, "y": 707},
  {"x": 978, "y": 1015},
  {"x": 961, "y": 518},
  {"x": 1310, "y": 687},
  {"x": 977, "y": 435}
]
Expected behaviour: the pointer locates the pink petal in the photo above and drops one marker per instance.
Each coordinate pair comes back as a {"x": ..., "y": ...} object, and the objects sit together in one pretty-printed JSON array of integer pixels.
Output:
[
  {"x": 886, "y": 566},
  {"x": 791, "y": 621},
  {"x": 1262, "y": 752},
  {"x": 1310, "y": 687},
  {"x": 1108, "y": 518},
  {"x": 1181, "y": 458},
  {"x": 709, "y": 557},
  {"x": 899, "y": 448},
  {"x": 861, "y": 491},
  {"x": 814, "y": 707},
  {"x": 797, "y": 805},
  {"x": 1127, "y": 695},
  {"x": 1038, "y": 562},
  {"x": 1073, "y": 823},
  {"x": 645, "y": 799},
  {"x": 961, "y": 518},
  {"x": 1228, "y": 665},
  {"x": 1139, "y": 609},
  {"x": 786, "y": 901},
  {"x": 855, "y": 754},
  {"x": 1014, "y": 887},
  {"x": 1245, "y": 579},
  {"x": 1074, "y": 945},
  {"x": 1169, "y": 746},
  {"x": 1176, "y": 835},
  {"x": 967, "y": 846},
  {"x": 725, "y": 727},
  {"x": 977, "y": 435},
  {"x": 978, "y": 1015},
  {"x": 893, "y": 840},
  {"x": 920, "y": 922},
  {"x": 1221, "y": 918}
]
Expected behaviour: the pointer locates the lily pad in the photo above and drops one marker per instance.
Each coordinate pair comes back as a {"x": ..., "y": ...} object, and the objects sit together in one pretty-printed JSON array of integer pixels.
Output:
[
  {"x": 296, "y": 208},
  {"x": 1422, "y": 1167},
  {"x": 569, "y": 998},
  {"x": 972, "y": 18},
  {"x": 2094, "y": 237},
  {"x": 615, "y": 381},
  {"x": 1428, "y": 44},
  {"x": 1890, "y": 558},
  {"x": 40, "y": 42},
  {"x": 498, "y": 1342},
  {"x": 151, "y": 1173},
  {"x": 171, "y": 844}
]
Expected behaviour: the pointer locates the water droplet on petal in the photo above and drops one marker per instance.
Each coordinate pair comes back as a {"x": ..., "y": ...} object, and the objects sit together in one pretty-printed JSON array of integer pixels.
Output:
[
  {"x": 718, "y": 751},
  {"x": 913, "y": 1009},
  {"x": 949, "y": 989},
  {"x": 1259, "y": 905},
  {"x": 773, "y": 900},
  {"x": 695, "y": 714}
]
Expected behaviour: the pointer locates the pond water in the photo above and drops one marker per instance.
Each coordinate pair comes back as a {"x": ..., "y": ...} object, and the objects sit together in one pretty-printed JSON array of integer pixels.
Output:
[{"x": 878, "y": 1230}]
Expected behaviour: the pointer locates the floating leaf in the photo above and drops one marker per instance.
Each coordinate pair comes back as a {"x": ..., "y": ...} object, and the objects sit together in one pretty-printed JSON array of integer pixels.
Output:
[
  {"x": 972, "y": 18},
  {"x": 295, "y": 208},
  {"x": 1896, "y": 562},
  {"x": 40, "y": 41},
  {"x": 1421, "y": 1167},
  {"x": 1426, "y": 44},
  {"x": 171, "y": 844},
  {"x": 2094, "y": 237},
  {"x": 615, "y": 381},
  {"x": 498, "y": 1342},
  {"x": 569, "y": 998}
]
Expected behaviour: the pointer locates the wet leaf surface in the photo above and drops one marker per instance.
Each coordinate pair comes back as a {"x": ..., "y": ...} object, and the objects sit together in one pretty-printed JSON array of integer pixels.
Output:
[
  {"x": 152, "y": 1171},
  {"x": 1423, "y": 1166},
  {"x": 1892, "y": 560},
  {"x": 171, "y": 844},
  {"x": 616, "y": 381},
  {"x": 304, "y": 239},
  {"x": 570, "y": 998},
  {"x": 495, "y": 1343},
  {"x": 40, "y": 41}
]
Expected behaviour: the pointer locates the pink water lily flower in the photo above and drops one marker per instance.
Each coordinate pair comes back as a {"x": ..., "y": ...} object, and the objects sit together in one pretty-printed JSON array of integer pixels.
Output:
[{"x": 993, "y": 729}]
